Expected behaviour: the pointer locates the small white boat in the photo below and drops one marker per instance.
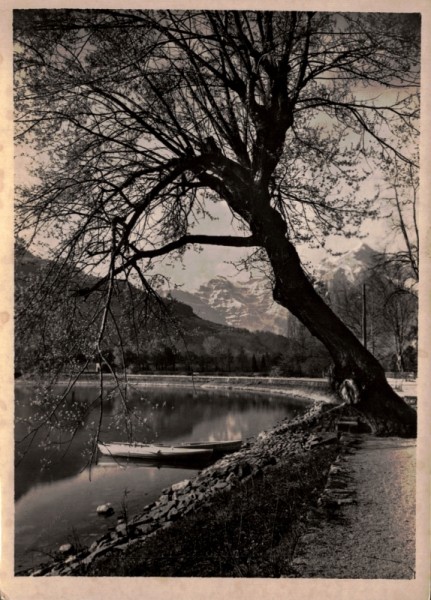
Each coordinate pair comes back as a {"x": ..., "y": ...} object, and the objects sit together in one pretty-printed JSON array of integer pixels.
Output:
[{"x": 152, "y": 451}]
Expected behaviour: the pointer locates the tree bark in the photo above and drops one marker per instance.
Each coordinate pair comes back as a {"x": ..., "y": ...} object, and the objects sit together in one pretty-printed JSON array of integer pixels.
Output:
[{"x": 357, "y": 376}]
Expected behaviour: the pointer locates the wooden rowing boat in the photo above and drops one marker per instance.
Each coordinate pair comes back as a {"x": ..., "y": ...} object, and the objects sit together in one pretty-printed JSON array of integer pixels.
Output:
[
  {"x": 162, "y": 451},
  {"x": 152, "y": 451}
]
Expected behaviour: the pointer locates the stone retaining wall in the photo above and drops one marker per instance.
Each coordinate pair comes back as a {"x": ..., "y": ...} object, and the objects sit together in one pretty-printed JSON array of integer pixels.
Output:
[
  {"x": 303, "y": 388},
  {"x": 199, "y": 380}
]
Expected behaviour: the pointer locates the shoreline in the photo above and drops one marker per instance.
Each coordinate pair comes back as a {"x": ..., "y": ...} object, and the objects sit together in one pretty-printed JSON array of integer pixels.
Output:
[
  {"x": 288, "y": 442},
  {"x": 307, "y": 396},
  {"x": 299, "y": 387}
]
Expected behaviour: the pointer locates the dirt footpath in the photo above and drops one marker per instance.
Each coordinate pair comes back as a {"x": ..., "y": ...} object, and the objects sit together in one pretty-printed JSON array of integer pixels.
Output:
[{"x": 369, "y": 531}]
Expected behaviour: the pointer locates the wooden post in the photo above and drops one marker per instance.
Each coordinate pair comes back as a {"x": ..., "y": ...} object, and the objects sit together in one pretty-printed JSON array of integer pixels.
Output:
[{"x": 364, "y": 315}]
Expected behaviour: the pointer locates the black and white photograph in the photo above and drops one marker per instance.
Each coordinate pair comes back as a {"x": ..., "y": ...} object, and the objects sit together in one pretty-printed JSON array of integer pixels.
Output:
[{"x": 219, "y": 252}]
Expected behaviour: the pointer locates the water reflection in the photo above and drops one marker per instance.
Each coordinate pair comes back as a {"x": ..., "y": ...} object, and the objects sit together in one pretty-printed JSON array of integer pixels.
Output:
[
  {"x": 52, "y": 502},
  {"x": 196, "y": 463}
]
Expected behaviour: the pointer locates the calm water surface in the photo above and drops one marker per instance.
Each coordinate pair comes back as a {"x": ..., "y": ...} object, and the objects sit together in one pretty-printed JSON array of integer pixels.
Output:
[{"x": 57, "y": 495}]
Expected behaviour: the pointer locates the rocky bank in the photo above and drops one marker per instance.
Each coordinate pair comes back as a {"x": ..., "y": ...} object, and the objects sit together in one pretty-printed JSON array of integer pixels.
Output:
[{"x": 289, "y": 439}]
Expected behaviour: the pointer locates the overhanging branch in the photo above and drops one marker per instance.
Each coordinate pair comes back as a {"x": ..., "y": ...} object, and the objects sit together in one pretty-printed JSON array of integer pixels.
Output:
[{"x": 213, "y": 240}]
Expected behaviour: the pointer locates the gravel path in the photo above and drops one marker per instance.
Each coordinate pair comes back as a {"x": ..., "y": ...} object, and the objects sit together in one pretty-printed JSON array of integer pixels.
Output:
[{"x": 374, "y": 537}]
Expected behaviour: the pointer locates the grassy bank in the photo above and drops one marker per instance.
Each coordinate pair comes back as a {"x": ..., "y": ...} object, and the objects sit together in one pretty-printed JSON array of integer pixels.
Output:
[{"x": 251, "y": 531}]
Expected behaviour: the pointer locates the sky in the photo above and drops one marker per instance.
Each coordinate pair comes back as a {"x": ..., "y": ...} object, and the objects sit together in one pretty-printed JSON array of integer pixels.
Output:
[{"x": 198, "y": 268}]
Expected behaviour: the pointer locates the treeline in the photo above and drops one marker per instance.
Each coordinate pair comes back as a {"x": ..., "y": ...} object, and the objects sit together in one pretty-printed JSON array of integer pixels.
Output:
[
  {"x": 298, "y": 359},
  {"x": 168, "y": 360}
]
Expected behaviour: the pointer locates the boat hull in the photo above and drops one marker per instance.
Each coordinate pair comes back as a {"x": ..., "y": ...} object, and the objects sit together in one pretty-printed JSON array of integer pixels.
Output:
[{"x": 152, "y": 452}]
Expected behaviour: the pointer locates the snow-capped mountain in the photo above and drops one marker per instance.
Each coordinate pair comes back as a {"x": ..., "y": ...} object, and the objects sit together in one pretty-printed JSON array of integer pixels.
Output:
[
  {"x": 246, "y": 304},
  {"x": 249, "y": 304},
  {"x": 348, "y": 267}
]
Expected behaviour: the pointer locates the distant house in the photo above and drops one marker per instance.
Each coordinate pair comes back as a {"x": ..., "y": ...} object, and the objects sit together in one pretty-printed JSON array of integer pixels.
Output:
[{"x": 92, "y": 367}]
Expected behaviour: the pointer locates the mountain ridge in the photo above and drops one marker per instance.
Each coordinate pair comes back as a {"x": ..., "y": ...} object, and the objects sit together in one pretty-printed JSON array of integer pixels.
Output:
[{"x": 249, "y": 304}]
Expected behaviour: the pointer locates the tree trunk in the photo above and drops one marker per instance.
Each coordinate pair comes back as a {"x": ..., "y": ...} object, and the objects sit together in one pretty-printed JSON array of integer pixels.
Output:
[{"x": 357, "y": 376}]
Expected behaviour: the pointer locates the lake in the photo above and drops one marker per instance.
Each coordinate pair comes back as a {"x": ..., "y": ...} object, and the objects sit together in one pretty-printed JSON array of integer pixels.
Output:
[{"x": 56, "y": 493}]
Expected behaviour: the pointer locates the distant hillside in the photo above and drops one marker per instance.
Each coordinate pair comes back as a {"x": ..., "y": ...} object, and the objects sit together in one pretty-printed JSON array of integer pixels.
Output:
[
  {"x": 159, "y": 335},
  {"x": 224, "y": 327},
  {"x": 200, "y": 307}
]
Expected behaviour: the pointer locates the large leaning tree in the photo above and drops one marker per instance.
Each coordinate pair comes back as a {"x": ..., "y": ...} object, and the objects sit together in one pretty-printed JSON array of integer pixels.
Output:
[{"x": 139, "y": 120}]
